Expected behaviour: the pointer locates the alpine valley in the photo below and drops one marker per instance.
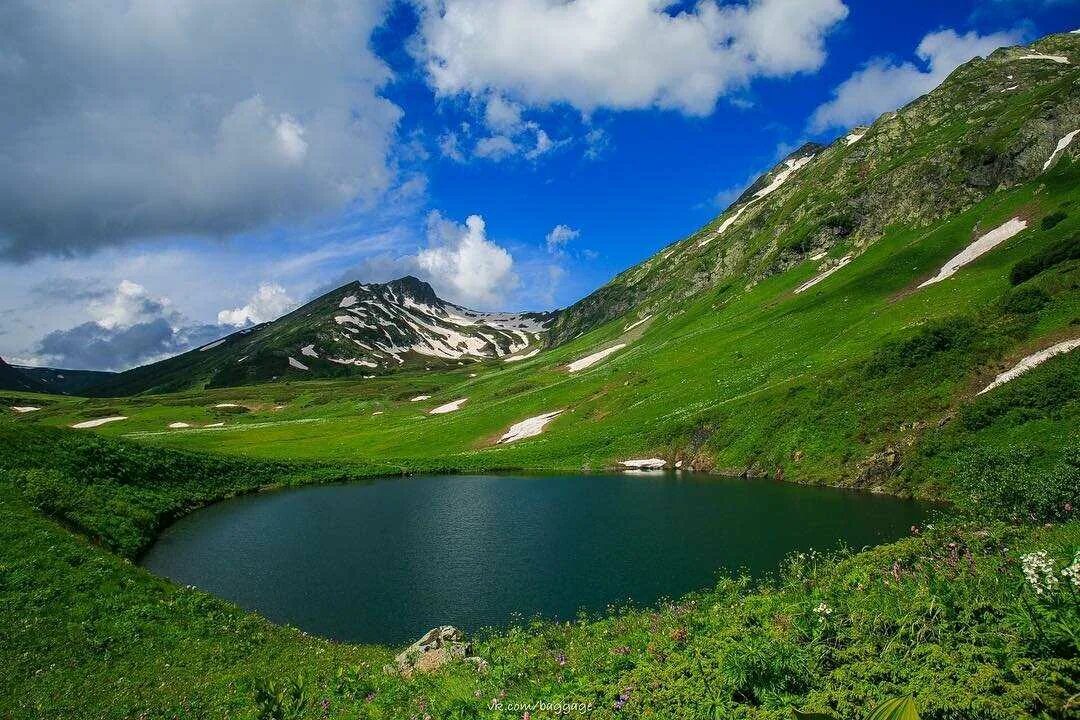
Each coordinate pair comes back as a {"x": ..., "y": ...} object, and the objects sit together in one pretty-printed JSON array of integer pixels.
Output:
[{"x": 897, "y": 312}]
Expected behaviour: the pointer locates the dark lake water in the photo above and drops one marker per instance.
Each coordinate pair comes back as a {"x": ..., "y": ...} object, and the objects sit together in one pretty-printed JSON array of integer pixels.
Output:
[{"x": 385, "y": 561}]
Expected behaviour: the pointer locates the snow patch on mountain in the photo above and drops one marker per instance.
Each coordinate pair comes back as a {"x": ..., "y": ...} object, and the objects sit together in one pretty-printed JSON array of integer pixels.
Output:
[
  {"x": 98, "y": 422},
  {"x": 1060, "y": 59},
  {"x": 791, "y": 166},
  {"x": 596, "y": 357},
  {"x": 1063, "y": 143},
  {"x": 1032, "y": 361},
  {"x": 293, "y": 362},
  {"x": 448, "y": 407},
  {"x": 844, "y": 261},
  {"x": 977, "y": 249},
  {"x": 528, "y": 428},
  {"x": 645, "y": 464}
]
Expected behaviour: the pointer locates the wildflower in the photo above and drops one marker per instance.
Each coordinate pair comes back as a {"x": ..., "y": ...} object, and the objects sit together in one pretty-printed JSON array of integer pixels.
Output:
[
  {"x": 623, "y": 697},
  {"x": 678, "y": 634},
  {"x": 1072, "y": 572},
  {"x": 560, "y": 659},
  {"x": 1038, "y": 568},
  {"x": 915, "y": 530},
  {"x": 823, "y": 610},
  {"x": 621, "y": 650}
]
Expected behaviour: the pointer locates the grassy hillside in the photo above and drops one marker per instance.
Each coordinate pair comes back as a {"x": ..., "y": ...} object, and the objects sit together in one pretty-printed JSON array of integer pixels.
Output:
[{"x": 815, "y": 385}]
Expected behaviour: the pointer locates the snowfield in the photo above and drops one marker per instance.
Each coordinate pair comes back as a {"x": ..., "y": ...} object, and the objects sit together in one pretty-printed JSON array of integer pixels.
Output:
[
  {"x": 526, "y": 356},
  {"x": 293, "y": 362},
  {"x": 24, "y": 408},
  {"x": 1063, "y": 143},
  {"x": 596, "y": 357},
  {"x": 977, "y": 249},
  {"x": 1060, "y": 59},
  {"x": 821, "y": 276},
  {"x": 633, "y": 325},
  {"x": 1032, "y": 361},
  {"x": 646, "y": 464},
  {"x": 790, "y": 168},
  {"x": 99, "y": 422},
  {"x": 420, "y": 398},
  {"x": 178, "y": 425},
  {"x": 529, "y": 428},
  {"x": 448, "y": 407},
  {"x": 309, "y": 350},
  {"x": 212, "y": 345}
]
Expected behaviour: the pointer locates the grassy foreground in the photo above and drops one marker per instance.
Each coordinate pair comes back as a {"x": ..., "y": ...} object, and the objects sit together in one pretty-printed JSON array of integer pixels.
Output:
[{"x": 946, "y": 615}]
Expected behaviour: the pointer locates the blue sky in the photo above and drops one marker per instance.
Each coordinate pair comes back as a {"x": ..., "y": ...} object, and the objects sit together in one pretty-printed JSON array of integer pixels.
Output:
[{"x": 184, "y": 173}]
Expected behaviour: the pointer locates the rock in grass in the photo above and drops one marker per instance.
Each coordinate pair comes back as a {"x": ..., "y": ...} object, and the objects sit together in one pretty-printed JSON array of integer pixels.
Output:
[{"x": 436, "y": 648}]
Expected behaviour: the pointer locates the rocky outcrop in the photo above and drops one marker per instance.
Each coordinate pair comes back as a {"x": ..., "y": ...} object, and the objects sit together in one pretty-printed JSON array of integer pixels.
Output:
[{"x": 436, "y": 648}]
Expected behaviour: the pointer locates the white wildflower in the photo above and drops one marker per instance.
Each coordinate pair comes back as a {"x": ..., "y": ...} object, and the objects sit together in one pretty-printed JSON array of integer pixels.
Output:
[
  {"x": 1072, "y": 572},
  {"x": 823, "y": 610},
  {"x": 1039, "y": 570}
]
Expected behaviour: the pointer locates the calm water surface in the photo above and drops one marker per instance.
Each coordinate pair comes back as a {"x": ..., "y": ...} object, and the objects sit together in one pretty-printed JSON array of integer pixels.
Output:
[{"x": 385, "y": 561}]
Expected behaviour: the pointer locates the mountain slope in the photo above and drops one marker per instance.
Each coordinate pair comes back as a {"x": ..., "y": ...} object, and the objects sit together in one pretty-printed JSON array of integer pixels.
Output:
[
  {"x": 993, "y": 124},
  {"x": 356, "y": 330},
  {"x": 11, "y": 378},
  {"x": 65, "y": 382}
]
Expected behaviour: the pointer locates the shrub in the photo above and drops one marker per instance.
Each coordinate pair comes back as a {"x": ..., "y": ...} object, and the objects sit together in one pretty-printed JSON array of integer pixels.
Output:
[
  {"x": 1013, "y": 484},
  {"x": 51, "y": 492},
  {"x": 931, "y": 340},
  {"x": 1025, "y": 300},
  {"x": 1055, "y": 254},
  {"x": 1052, "y": 220}
]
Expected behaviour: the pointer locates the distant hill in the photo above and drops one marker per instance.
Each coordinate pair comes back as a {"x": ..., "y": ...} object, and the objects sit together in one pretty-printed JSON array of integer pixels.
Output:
[
  {"x": 65, "y": 382},
  {"x": 12, "y": 379},
  {"x": 356, "y": 330},
  {"x": 49, "y": 380}
]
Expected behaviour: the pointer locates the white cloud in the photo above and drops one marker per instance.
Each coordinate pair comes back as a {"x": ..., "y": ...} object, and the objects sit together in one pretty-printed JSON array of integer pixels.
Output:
[
  {"x": 559, "y": 236},
  {"x": 502, "y": 115},
  {"x": 268, "y": 303},
  {"x": 496, "y": 147},
  {"x": 883, "y": 85},
  {"x": 450, "y": 147},
  {"x": 463, "y": 263},
  {"x": 141, "y": 119},
  {"x": 618, "y": 54},
  {"x": 128, "y": 305}
]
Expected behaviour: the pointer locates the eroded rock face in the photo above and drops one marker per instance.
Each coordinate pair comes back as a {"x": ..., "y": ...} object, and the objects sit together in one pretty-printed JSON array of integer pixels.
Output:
[{"x": 436, "y": 648}]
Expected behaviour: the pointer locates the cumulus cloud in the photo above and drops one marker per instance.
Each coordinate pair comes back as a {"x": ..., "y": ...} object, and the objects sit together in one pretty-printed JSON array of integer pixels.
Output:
[
  {"x": 130, "y": 327},
  {"x": 883, "y": 85},
  {"x": 618, "y": 54},
  {"x": 461, "y": 262},
  {"x": 142, "y": 119},
  {"x": 559, "y": 236},
  {"x": 268, "y": 303}
]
